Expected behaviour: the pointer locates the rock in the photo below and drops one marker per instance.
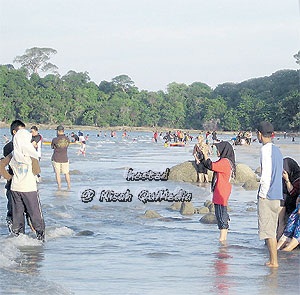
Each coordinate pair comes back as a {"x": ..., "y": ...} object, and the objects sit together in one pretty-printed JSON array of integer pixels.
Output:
[
  {"x": 208, "y": 218},
  {"x": 201, "y": 210},
  {"x": 251, "y": 209},
  {"x": 75, "y": 172},
  {"x": 251, "y": 185},
  {"x": 151, "y": 214},
  {"x": 172, "y": 219},
  {"x": 85, "y": 233},
  {"x": 187, "y": 208},
  {"x": 186, "y": 172},
  {"x": 183, "y": 172},
  {"x": 258, "y": 171},
  {"x": 211, "y": 207},
  {"x": 207, "y": 203},
  {"x": 251, "y": 203},
  {"x": 244, "y": 173},
  {"x": 96, "y": 207},
  {"x": 175, "y": 206}
]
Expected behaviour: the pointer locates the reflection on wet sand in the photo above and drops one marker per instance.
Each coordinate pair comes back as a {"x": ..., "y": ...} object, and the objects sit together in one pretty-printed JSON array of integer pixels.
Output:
[
  {"x": 223, "y": 282},
  {"x": 30, "y": 260},
  {"x": 271, "y": 281}
]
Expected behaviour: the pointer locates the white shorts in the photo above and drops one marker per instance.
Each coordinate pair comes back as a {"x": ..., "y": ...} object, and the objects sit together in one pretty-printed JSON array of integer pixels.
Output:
[
  {"x": 268, "y": 211},
  {"x": 61, "y": 167}
]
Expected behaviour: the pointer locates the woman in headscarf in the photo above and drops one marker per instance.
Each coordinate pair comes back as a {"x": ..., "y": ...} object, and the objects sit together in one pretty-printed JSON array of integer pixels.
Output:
[
  {"x": 291, "y": 186},
  {"x": 291, "y": 190},
  {"x": 223, "y": 169}
]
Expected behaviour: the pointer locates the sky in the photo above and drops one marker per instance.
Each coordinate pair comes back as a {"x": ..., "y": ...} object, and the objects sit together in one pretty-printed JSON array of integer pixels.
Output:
[{"x": 156, "y": 42}]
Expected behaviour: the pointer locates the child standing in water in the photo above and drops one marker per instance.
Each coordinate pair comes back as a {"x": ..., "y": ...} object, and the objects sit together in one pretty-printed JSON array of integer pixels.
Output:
[{"x": 223, "y": 169}]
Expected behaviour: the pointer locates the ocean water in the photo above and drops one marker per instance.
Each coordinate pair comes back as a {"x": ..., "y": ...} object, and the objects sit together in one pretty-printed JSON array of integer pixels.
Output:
[{"x": 109, "y": 248}]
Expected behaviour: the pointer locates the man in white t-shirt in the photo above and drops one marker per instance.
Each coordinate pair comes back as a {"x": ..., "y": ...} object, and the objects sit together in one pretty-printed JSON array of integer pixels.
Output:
[{"x": 24, "y": 191}]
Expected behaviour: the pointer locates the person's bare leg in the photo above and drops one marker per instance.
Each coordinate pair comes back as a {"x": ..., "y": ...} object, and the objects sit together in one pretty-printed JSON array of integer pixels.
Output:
[
  {"x": 58, "y": 180},
  {"x": 281, "y": 222},
  {"x": 201, "y": 177},
  {"x": 272, "y": 247},
  {"x": 291, "y": 245},
  {"x": 282, "y": 242},
  {"x": 68, "y": 180},
  {"x": 205, "y": 177},
  {"x": 223, "y": 235}
]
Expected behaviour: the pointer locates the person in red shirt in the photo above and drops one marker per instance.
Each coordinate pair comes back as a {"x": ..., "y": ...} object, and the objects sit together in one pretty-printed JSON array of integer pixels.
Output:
[{"x": 223, "y": 169}]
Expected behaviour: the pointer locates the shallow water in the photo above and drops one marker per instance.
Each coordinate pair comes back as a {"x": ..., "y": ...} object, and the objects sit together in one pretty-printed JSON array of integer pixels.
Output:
[{"x": 108, "y": 248}]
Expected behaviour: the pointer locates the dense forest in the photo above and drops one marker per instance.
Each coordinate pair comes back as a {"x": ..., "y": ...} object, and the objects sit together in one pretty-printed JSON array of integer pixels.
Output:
[{"x": 74, "y": 99}]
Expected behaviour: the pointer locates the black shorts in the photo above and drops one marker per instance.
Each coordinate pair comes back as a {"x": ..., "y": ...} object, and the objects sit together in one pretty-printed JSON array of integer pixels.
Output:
[{"x": 201, "y": 168}]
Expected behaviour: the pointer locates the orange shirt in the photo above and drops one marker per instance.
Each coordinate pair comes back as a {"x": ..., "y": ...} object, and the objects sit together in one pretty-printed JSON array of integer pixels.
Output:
[{"x": 222, "y": 189}]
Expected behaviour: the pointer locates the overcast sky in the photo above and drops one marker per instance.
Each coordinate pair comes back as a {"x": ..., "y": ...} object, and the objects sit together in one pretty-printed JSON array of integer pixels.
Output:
[{"x": 156, "y": 42}]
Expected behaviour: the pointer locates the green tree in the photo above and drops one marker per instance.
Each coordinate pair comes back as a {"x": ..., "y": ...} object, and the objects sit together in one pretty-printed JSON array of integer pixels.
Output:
[
  {"x": 230, "y": 121},
  {"x": 107, "y": 87},
  {"x": 289, "y": 112},
  {"x": 213, "y": 112},
  {"x": 123, "y": 83},
  {"x": 37, "y": 59},
  {"x": 174, "y": 105},
  {"x": 297, "y": 57},
  {"x": 197, "y": 94},
  {"x": 75, "y": 99},
  {"x": 75, "y": 79},
  {"x": 150, "y": 104}
]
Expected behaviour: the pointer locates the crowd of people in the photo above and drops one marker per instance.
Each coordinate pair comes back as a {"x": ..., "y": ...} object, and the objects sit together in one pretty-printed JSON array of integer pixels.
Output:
[
  {"x": 20, "y": 167},
  {"x": 278, "y": 196},
  {"x": 176, "y": 136},
  {"x": 243, "y": 137},
  {"x": 180, "y": 136}
]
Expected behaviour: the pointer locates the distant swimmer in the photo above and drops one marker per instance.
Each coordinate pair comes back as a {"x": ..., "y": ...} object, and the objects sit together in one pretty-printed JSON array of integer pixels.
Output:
[
  {"x": 82, "y": 149},
  {"x": 74, "y": 137}
]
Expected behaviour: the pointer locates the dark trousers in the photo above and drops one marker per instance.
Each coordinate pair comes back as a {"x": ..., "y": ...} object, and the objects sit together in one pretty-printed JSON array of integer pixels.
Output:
[
  {"x": 28, "y": 202},
  {"x": 222, "y": 216},
  {"x": 9, "y": 205}
]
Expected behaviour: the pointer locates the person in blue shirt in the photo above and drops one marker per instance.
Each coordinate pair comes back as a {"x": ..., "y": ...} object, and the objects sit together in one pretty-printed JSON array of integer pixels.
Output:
[{"x": 270, "y": 190}]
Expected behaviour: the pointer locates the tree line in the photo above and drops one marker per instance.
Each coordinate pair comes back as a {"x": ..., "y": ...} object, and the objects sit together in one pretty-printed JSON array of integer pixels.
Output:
[{"x": 73, "y": 99}]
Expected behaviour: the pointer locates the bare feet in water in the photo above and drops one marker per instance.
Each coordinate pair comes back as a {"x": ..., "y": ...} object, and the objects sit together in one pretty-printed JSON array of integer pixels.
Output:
[{"x": 269, "y": 264}]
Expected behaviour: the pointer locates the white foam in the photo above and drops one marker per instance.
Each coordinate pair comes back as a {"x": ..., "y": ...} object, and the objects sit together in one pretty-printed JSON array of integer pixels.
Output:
[
  {"x": 10, "y": 248},
  {"x": 24, "y": 240},
  {"x": 58, "y": 232},
  {"x": 63, "y": 215},
  {"x": 8, "y": 254}
]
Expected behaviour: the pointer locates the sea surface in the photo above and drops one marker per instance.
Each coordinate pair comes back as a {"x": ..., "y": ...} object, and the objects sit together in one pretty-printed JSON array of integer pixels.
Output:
[{"x": 110, "y": 248}]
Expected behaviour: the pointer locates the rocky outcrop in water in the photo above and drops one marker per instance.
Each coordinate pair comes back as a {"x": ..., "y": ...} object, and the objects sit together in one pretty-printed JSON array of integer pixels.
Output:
[
  {"x": 187, "y": 208},
  {"x": 151, "y": 214},
  {"x": 187, "y": 172},
  {"x": 208, "y": 218}
]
